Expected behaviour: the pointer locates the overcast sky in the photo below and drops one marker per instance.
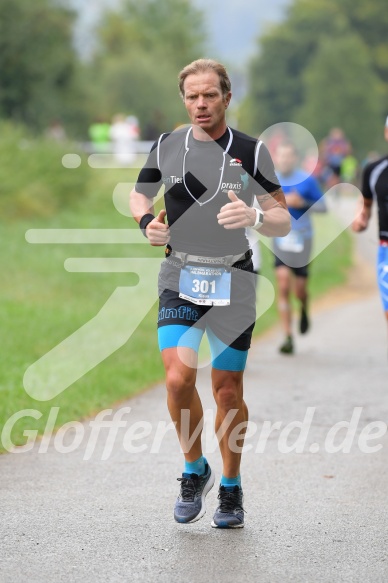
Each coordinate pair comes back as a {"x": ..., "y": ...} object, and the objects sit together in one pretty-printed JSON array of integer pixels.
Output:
[{"x": 232, "y": 25}]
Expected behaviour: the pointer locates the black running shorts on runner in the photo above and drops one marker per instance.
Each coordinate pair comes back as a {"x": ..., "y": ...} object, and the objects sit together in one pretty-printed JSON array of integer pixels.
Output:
[
  {"x": 298, "y": 262},
  {"x": 230, "y": 326}
]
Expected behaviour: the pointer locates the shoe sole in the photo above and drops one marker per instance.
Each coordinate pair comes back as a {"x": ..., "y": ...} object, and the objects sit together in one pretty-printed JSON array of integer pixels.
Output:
[
  {"x": 208, "y": 486},
  {"x": 214, "y": 525}
]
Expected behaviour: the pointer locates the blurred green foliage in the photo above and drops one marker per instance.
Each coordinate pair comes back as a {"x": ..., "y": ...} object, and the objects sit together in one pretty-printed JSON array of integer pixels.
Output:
[
  {"x": 33, "y": 180},
  {"x": 141, "y": 50},
  {"x": 335, "y": 96},
  {"x": 326, "y": 64},
  {"x": 39, "y": 68}
]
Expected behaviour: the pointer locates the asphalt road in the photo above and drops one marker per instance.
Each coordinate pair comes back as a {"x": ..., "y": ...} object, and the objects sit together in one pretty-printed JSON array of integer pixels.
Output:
[{"x": 316, "y": 515}]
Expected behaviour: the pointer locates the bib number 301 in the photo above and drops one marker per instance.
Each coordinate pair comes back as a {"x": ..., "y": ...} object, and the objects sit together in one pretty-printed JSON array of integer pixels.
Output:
[
  {"x": 208, "y": 286},
  {"x": 203, "y": 286}
]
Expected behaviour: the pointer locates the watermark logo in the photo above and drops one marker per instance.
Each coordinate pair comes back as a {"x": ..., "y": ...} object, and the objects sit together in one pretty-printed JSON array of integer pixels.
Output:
[{"x": 111, "y": 430}]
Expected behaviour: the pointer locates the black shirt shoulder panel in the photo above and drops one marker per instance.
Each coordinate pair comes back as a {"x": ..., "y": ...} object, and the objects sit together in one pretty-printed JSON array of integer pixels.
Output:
[{"x": 375, "y": 186}]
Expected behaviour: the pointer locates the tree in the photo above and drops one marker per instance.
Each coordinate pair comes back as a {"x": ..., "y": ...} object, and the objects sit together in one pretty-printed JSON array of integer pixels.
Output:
[
  {"x": 279, "y": 89},
  {"x": 141, "y": 50},
  {"x": 137, "y": 87},
  {"x": 341, "y": 88},
  {"x": 370, "y": 21},
  {"x": 170, "y": 30},
  {"x": 37, "y": 61},
  {"x": 284, "y": 52}
]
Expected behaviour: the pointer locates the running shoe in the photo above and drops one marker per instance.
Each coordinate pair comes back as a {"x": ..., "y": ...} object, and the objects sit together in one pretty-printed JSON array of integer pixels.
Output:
[
  {"x": 190, "y": 504},
  {"x": 230, "y": 512},
  {"x": 288, "y": 346},
  {"x": 304, "y": 323}
]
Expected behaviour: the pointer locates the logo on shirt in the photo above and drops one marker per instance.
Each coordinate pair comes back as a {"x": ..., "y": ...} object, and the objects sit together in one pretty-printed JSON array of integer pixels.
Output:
[
  {"x": 236, "y": 186},
  {"x": 172, "y": 180},
  {"x": 245, "y": 180},
  {"x": 235, "y": 162},
  {"x": 226, "y": 186}
]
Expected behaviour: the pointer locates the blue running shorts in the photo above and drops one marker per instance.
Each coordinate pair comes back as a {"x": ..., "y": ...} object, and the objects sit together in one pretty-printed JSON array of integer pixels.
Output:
[{"x": 382, "y": 274}]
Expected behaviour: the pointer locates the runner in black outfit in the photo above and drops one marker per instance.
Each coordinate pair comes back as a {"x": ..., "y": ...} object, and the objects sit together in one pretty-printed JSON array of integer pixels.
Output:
[
  {"x": 375, "y": 187},
  {"x": 211, "y": 174}
]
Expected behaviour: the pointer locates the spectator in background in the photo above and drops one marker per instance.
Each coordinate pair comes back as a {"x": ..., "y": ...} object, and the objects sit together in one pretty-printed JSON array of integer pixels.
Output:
[
  {"x": 349, "y": 169},
  {"x": 334, "y": 149},
  {"x": 99, "y": 134},
  {"x": 123, "y": 134},
  {"x": 133, "y": 127}
]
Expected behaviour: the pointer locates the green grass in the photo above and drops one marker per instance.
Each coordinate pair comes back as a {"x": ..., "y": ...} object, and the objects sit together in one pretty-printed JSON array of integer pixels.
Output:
[{"x": 41, "y": 304}]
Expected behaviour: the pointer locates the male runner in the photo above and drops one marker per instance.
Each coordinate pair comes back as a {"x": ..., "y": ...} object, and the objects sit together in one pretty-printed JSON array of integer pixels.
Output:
[
  {"x": 211, "y": 174},
  {"x": 375, "y": 186},
  {"x": 292, "y": 253}
]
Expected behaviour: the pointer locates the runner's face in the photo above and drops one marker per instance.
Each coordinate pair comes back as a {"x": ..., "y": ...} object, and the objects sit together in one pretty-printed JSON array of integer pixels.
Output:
[
  {"x": 205, "y": 103},
  {"x": 285, "y": 160}
]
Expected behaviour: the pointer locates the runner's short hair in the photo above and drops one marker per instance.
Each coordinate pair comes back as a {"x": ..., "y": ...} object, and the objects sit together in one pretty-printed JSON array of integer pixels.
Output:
[{"x": 201, "y": 66}]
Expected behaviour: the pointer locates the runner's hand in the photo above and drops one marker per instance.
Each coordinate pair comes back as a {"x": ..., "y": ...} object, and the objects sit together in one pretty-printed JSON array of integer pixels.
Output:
[
  {"x": 157, "y": 231},
  {"x": 295, "y": 200},
  {"x": 360, "y": 224},
  {"x": 236, "y": 214}
]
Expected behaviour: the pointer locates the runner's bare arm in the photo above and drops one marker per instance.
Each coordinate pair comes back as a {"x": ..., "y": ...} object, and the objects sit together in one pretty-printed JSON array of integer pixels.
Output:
[
  {"x": 140, "y": 205},
  {"x": 277, "y": 221},
  {"x": 361, "y": 221},
  {"x": 156, "y": 230}
]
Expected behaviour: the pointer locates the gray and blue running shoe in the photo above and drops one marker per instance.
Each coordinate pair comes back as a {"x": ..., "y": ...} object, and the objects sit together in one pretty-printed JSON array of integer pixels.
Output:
[
  {"x": 230, "y": 512},
  {"x": 190, "y": 504}
]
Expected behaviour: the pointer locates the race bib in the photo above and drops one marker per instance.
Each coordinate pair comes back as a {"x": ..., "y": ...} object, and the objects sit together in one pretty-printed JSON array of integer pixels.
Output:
[
  {"x": 292, "y": 242},
  {"x": 207, "y": 286}
]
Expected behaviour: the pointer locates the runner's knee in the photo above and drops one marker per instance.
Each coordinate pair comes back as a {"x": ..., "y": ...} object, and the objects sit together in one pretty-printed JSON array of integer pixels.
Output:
[
  {"x": 228, "y": 397},
  {"x": 180, "y": 383},
  {"x": 228, "y": 391}
]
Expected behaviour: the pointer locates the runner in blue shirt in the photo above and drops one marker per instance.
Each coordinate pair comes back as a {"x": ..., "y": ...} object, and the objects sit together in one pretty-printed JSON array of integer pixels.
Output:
[{"x": 292, "y": 253}]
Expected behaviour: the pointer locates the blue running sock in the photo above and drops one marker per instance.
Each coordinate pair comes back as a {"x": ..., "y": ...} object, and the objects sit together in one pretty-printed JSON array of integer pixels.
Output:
[
  {"x": 230, "y": 482},
  {"x": 197, "y": 467}
]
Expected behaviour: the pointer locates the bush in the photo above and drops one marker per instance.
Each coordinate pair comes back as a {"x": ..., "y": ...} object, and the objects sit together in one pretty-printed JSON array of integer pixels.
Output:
[{"x": 33, "y": 180}]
